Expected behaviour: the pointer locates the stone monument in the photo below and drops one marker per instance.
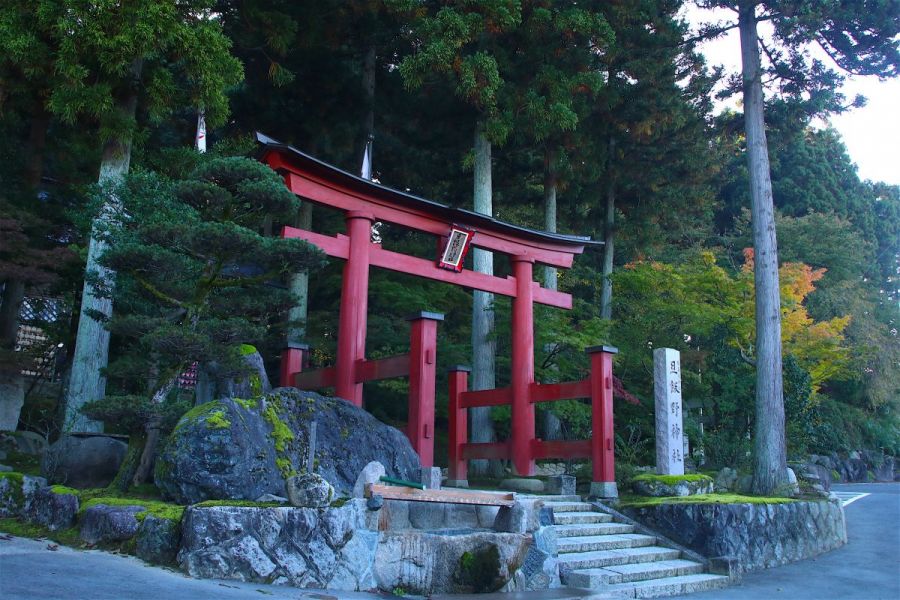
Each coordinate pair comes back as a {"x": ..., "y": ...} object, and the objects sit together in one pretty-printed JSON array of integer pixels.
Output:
[{"x": 669, "y": 424}]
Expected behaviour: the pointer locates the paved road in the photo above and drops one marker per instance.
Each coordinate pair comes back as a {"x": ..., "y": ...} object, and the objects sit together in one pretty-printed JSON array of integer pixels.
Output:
[{"x": 867, "y": 568}]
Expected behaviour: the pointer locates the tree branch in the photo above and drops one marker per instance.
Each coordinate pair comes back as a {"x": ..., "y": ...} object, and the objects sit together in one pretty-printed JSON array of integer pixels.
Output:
[{"x": 157, "y": 292}]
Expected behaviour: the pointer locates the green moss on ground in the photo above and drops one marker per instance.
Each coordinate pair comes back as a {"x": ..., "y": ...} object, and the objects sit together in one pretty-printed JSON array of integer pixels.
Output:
[
  {"x": 632, "y": 501},
  {"x": 67, "y": 537},
  {"x": 161, "y": 510},
  {"x": 238, "y": 503},
  {"x": 673, "y": 479},
  {"x": 61, "y": 489}
]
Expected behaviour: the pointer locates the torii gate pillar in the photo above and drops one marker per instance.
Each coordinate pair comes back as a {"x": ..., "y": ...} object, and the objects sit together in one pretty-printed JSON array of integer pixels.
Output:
[{"x": 351, "y": 346}]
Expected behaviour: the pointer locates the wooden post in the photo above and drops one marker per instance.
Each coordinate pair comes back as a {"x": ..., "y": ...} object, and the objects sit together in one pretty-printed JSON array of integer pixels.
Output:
[
  {"x": 458, "y": 468},
  {"x": 422, "y": 364},
  {"x": 602, "y": 437},
  {"x": 354, "y": 305},
  {"x": 292, "y": 358},
  {"x": 522, "y": 376}
]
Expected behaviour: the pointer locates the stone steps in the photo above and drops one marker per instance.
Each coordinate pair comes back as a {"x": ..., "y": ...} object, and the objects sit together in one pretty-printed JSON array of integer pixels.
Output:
[
  {"x": 621, "y": 556},
  {"x": 593, "y": 578},
  {"x": 610, "y": 560},
  {"x": 580, "y": 517},
  {"x": 588, "y": 529},
  {"x": 609, "y": 541}
]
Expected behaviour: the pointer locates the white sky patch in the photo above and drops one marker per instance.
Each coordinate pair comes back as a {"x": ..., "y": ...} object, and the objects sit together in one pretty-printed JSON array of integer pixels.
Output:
[{"x": 871, "y": 133}]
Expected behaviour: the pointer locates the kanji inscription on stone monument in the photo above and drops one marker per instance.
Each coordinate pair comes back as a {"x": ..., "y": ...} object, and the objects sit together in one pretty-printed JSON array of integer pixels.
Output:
[{"x": 669, "y": 427}]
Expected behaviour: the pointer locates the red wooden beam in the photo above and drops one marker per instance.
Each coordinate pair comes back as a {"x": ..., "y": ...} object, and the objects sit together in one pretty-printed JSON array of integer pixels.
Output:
[
  {"x": 339, "y": 245},
  {"x": 382, "y": 368},
  {"x": 541, "y": 449},
  {"x": 458, "y": 430},
  {"x": 312, "y": 380},
  {"x": 421, "y": 367},
  {"x": 492, "y": 450},
  {"x": 551, "y": 392},
  {"x": 496, "y": 397},
  {"x": 327, "y": 193}
]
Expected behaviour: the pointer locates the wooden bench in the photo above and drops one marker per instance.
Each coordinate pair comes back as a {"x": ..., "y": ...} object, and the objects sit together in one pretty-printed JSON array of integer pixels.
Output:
[{"x": 396, "y": 492}]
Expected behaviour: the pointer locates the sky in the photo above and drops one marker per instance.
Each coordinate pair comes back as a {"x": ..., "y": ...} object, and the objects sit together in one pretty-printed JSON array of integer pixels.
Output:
[{"x": 871, "y": 133}]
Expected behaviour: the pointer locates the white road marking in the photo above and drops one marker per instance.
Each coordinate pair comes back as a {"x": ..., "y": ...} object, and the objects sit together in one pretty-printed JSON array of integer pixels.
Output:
[{"x": 848, "y": 498}]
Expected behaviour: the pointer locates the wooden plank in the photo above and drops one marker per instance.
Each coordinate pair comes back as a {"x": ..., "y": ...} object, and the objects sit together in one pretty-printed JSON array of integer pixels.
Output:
[
  {"x": 551, "y": 392},
  {"x": 312, "y": 380},
  {"x": 393, "y": 492},
  {"x": 560, "y": 449},
  {"x": 488, "y": 450},
  {"x": 382, "y": 368},
  {"x": 496, "y": 397}
]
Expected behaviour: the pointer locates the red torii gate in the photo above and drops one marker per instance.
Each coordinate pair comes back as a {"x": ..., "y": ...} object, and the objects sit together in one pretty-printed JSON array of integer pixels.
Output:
[{"x": 365, "y": 202}]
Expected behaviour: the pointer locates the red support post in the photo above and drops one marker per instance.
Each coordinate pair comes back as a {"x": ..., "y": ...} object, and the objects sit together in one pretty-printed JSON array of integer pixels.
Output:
[
  {"x": 291, "y": 363},
  {"x": 351, "y": 345},
  {"x": 458, "y": 467},
  {"x": 422, "y": 365},
  {"x": 522, "y": 376},
  {"x": 602, "y": 440}
]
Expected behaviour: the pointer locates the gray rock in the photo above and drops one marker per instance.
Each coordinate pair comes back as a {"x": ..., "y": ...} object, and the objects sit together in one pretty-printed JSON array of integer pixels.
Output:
[
  {"x": 103, "y": 523},
  {"x": 83, "y": 460},
  {"x": 792, "y": 487},
  {"x": 53, "y": 511},
  {"x": 885, "y": 472},
  {"x": 563, "y": 485},
  {"x": 309, "y": 491},
  {"x": 272, "y": 498},
  {"x": 654, "y": 487},
  {"x": 431, "y": 478},
  {"x": 744, "y": 484},
  {"x": 726, "y": 479},
  {"x": 199, "y": 462},
  {"x": 371, "y": 473},
  {"x": 303, "y": 547},
  {"x": 252, "y": 385},
  {"x": 26, "y": 442},
  {"x": 375, "y": 502},
  {"x": 822, "y": 474},
  {"x": 512, "y": 519},
  {"x": 3, "y": 454},
  {"x": 11, "y": 497},
  {"x": 856, "y": 469},
  {"x": 158, "y": 540},
  {"x": 531, "y": 486},
  {"x": 426, "y": 563},
  {"x": 5, "y": 469}
]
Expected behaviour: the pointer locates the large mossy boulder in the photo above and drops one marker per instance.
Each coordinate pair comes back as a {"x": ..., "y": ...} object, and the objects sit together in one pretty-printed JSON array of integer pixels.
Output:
[{"x": 241, "y": 449}]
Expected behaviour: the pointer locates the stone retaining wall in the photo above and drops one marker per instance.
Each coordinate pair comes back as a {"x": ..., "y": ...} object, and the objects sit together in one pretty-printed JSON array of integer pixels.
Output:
[{"x": 758, "y": 536}]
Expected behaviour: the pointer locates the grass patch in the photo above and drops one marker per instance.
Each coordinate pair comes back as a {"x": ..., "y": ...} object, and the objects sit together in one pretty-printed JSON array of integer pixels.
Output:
[
  {"x": 67, "y": 537},
  {"x": 162, "y": 510},
  {"x": 631, "y": 501},
  {"x": 672, "y": 479},
  {"x": 238, "y": 503}
]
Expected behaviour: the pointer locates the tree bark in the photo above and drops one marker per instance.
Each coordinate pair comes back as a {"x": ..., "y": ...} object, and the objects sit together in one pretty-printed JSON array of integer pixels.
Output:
[
  {"x": 552, "y": 425},
  {"x": 12, "y": 297},
  {"x": 299, "y": 287},
  {"x": 550, "y": 187},
  {"x": 483, "y": 345},
  {"x": 148, "y": 456},
  {"x": 770, "y": 460},
  {"x": 608, "y": 238},
  {"x": 91, "y": 355}
]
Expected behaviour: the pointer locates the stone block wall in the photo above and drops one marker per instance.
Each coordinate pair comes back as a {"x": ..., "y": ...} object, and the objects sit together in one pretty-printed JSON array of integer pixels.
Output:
[{"x": 758, "y": 536}]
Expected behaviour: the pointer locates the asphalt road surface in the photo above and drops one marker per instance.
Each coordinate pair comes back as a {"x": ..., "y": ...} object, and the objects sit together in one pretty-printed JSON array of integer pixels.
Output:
[{"x": 867, "y": 568}]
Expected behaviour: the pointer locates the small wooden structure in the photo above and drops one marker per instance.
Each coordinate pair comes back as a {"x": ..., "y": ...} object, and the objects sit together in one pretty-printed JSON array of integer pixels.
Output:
[
  {"x": 410, "y": 494},
  {"x": 364, "y": 203}
]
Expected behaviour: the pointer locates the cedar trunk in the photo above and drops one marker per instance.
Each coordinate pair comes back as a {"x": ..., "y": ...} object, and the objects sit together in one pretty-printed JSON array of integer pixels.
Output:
[
  {"x": 483, "y": 344},
  {"x": 770, "y": 468},
  {"x": 608, "y": 239},
  {"x": 91, "y": 354}
]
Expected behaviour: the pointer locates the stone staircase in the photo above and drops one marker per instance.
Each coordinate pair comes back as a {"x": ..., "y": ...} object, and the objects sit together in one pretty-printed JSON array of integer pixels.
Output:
[{"x": 609, "y": 558}]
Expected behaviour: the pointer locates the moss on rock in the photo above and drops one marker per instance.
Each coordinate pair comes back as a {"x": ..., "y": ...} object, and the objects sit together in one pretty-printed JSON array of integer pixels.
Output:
[{"x": 717, "y": 498}]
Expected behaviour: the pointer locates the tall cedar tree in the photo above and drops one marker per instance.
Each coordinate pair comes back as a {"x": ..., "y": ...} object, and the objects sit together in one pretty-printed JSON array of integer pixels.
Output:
[
  {"x": 860, "y": 37},
  {"x": 464, "y": 41},
  {"x": 194, "y": 279},
  {"x": 106, "y": 58}
]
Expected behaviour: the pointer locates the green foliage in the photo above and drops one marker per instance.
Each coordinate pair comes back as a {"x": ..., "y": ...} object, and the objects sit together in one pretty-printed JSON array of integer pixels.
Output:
[
  {"x": 479, "y": 570},
  {"x": 672, "y": 479},
  {"x": 645, "y": 501}
]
